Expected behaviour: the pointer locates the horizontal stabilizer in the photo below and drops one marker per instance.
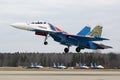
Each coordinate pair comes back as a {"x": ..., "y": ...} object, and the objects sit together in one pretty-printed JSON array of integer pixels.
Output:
[
  {"x": 84, "y": 31},
  {"x": 86, "y": 38},
  {"x": 102, "y": 46},
  {"x": 93, "y": 45}
]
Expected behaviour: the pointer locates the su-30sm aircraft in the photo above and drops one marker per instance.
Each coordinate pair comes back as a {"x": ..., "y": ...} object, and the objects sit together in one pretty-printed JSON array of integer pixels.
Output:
[{"x": 83, "y": 39}]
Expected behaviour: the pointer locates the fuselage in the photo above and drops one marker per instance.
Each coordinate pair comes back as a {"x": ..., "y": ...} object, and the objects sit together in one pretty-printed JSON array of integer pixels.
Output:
[{"x": 44, "y": 28}]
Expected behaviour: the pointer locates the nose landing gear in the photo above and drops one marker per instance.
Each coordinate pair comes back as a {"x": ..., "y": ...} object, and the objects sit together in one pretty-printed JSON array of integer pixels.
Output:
[{"x": 45, "y": 42}]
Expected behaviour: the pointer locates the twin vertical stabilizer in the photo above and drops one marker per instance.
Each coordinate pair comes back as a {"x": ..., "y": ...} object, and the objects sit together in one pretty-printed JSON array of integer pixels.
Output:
[{"x": 96, "y": 32}]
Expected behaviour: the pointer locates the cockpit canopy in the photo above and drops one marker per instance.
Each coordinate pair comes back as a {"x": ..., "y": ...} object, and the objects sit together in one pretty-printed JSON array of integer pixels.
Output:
[{"x": 38, "y": 22}]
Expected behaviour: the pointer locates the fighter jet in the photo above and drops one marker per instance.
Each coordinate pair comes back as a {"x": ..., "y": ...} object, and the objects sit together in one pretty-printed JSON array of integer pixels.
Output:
[
  {"x": 36, "y": 66},
  {"x": 94, "y": 66},
  {"x": 83, "y": 39},
  {"x": 83, "y": 66},
  {"x": 59, "y": 66}
]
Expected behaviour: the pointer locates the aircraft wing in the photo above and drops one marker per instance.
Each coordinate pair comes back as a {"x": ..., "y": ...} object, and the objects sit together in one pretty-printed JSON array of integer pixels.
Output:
[{"x": 87, "y": 38}]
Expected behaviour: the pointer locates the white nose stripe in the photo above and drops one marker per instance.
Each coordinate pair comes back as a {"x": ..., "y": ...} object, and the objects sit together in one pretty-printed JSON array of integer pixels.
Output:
[
  {"x": 13, "y": 25},
  {"x": 22, "y": 26}
]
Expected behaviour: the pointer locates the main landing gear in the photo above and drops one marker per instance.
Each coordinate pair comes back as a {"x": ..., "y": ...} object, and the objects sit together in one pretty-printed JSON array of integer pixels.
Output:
[
  {"x": 45, "y": 43},
  {"x": 66, "y": 50},
  {"x": 78, "y": 49}
]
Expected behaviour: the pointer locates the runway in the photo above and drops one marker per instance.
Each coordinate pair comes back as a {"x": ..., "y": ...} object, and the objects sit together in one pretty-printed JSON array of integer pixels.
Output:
[{"x": 59, "y": 75}]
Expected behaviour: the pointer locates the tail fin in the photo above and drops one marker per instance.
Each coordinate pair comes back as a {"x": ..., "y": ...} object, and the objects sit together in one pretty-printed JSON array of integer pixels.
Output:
[
  {"x": 84, "y": 31},
  {"x": 95, "y": 65},
  {"x": 91, "y": 65},
  {"x": 58, "y": 64},
  {"x": 96, "y": 32},
  {"x": 54, "y": 65},
  {"x": 81, "y": 65}
]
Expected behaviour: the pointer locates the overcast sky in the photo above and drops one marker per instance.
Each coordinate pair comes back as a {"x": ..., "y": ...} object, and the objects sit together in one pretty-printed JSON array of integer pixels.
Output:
[{"x": 70, "y": 15}]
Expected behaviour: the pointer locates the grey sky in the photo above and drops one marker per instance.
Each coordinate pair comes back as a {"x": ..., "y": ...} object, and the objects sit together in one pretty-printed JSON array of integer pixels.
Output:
[{"x": 69, "y": 15}]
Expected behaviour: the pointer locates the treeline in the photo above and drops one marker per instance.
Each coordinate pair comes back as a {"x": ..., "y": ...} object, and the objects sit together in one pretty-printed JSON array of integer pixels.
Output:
[{"x": 110, "y": 60}]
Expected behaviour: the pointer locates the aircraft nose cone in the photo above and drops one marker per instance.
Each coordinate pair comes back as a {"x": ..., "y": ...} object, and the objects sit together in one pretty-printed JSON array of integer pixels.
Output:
[
  {"x": 23, "y": 26},
  {"x": 18, "y": 25},
  {"x": 14, "y": 25}
]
